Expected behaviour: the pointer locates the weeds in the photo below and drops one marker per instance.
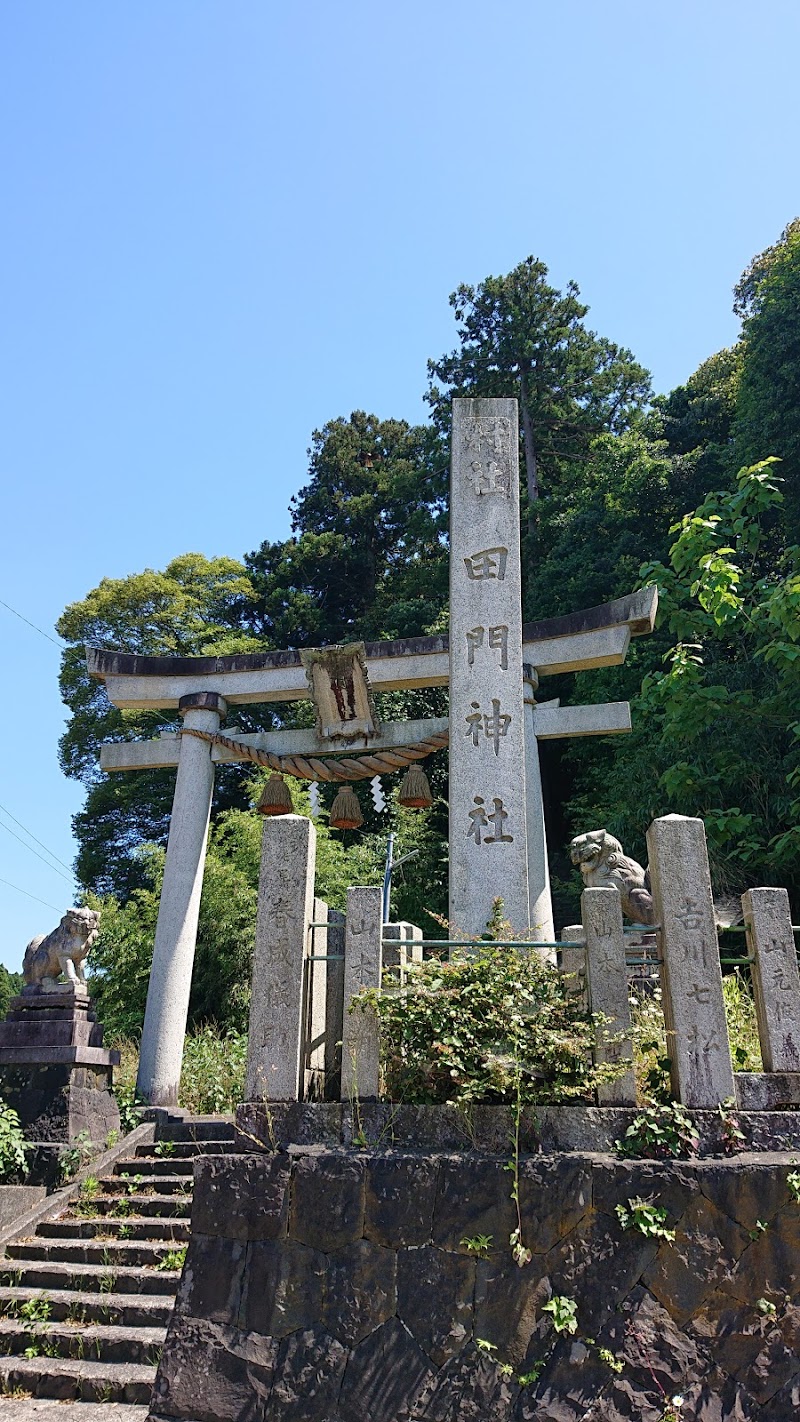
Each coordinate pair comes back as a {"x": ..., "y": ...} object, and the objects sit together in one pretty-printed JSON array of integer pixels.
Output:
[
  {"x": 77, "y": 1154},
  {"x": 173, "y": 1260},
  {"x": 648, "y": 1218},
  {"x": 733, "y": 1137},
  {"x": 478, "y": 1244},
  {"x": 660, "y": 1133},
  {"x": 563, "y": 1312}
]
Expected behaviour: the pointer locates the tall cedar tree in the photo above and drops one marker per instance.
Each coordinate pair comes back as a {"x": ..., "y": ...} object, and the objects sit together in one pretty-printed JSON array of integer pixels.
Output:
[
  {"x": 368, "y": 558},
  {"x": 520, "y": 336}
]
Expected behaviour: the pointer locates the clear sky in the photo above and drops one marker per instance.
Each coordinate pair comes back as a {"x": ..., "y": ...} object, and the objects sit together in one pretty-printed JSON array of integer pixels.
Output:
[{"x": 225, "y": 223}]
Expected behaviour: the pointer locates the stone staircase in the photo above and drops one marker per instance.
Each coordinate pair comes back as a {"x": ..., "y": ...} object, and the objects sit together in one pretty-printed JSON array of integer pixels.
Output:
[{"x": 85, "y": 1301}]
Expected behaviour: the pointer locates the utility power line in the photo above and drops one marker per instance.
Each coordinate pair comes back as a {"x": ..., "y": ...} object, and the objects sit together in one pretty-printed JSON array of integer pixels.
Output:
[
  {"x": 40, "y": 630},
  {"x": 35, "y": 851},
  {"x": 16, "y": 887},
  {"x": 32, "y": 836}
]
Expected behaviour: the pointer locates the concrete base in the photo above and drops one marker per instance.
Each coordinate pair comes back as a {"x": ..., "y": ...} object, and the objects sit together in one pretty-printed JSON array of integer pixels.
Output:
[
  {"x": 280, "y": 1125},
  {"x": 767, "y": 1090},
  {"x": 54, "y": 1070}
]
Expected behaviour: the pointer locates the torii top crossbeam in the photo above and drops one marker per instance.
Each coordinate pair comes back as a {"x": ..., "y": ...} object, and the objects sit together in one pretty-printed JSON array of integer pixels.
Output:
[{"x": 580, "y": 641}]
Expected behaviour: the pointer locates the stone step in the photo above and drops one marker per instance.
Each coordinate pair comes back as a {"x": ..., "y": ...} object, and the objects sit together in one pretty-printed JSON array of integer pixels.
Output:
[
  {"x": 31, "y": 1409},
  {"x": 121, "y": 1310},
  {"x": 70, "y": 1227},
  {"x": 94, "y": 1278},
  {"x": 98, "y": 1342},
  {"x": 77, "y": 1379},
  {"x": 143, "y": 1206},
  {"x": 181, "y": 1149},
  {"x": 154, "y": 1165},
  {"x": 197, "y": 1128},
  {"x": 173, "y": 1184},
  {"x": 111, "y": 1253}
]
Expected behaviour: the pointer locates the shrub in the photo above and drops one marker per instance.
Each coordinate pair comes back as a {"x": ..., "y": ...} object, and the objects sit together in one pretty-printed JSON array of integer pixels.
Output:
[
  {"x": 497, "y": 1027},
  {"x": 13, "y": 1150}
]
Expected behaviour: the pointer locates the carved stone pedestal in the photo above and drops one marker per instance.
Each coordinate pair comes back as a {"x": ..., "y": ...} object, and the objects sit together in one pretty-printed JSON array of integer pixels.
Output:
[{"x": 54, "y": 1070}]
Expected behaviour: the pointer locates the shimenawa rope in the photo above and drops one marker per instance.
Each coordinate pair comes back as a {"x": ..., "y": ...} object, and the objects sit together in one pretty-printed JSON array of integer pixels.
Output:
[{"x": 348, "y": 767}]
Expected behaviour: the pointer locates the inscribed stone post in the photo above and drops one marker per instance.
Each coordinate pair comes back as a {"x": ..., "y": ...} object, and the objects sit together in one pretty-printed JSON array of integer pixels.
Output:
[
  {"x": 285, "y": 908},
  {"x": 363, "y": 936},
  {"x": 694, "y": 1008},
  {"x": 607, "y": 986},
  {"x": 776, "y": 980},
  {"x": 488, "y": 839}
]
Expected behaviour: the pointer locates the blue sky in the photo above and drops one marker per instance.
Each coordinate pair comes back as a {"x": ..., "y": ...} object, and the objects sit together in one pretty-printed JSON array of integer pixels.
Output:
[{"x": 224, "y": 223}]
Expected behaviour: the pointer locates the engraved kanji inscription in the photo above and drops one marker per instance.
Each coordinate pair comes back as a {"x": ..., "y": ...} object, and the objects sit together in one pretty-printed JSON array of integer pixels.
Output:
[
  {"x": 690, "y": 916},
  {"x": 700, "y": 993},
  {"x": 480, "y": 821},
  {"x": 493, "y": 725},
  {"x": 497, "y": 641},
  {"x": 698, "y": 1041},
  {"x": 490, "y": 477},
  {"x": 486, "y": 564}
]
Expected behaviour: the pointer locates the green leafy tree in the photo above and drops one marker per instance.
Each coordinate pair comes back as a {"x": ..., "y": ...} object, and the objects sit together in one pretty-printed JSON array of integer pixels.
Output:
[
  {"x": 520, "y": 336},
  {"x": 767, "y": 408},
  {"x": 717, "y": 732},
  {"x": 698, "y": 420},
  {"x": 195, "y": 607},
  {"x": 368, "y": 554}
]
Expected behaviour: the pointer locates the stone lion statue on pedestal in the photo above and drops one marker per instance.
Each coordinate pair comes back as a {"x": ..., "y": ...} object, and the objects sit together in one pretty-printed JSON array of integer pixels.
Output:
[
  {"x": 62, "y": 951},
  {"x": 604, "y": 864}
]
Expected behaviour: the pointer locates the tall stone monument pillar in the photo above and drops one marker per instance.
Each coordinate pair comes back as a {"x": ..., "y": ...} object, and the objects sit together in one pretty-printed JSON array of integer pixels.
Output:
[
  {"x": 176, "y": 930},
  {"x": 488, "y": 834}
]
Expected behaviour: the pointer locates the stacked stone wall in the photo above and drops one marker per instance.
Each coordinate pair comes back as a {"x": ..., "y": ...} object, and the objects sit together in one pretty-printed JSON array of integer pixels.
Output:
[{"x": 334, "y": 1285}]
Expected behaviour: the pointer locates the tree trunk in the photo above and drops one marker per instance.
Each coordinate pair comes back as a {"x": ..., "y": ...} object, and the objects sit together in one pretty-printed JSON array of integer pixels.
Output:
[{"x": 530, "y": 451}]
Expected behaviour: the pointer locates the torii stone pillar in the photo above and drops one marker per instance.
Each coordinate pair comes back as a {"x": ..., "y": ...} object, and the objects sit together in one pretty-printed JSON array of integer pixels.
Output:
[
  {"x": 540, "y": 915},
  {"x": 176, "y": 931}
]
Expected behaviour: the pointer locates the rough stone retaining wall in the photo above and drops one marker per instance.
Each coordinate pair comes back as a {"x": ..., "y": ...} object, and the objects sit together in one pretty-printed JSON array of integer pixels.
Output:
[{"x": 331, "y": 1285}]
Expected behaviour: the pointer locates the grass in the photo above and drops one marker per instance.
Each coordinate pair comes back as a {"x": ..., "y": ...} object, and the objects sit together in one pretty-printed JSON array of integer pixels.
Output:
[
  {"x": 650, "y": 1053},
  {"x": 212, "y": 1074}
]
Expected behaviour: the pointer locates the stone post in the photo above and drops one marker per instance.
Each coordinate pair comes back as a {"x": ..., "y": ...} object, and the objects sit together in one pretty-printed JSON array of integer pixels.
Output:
[
  {"x": 334, "y": 1005},
  {"x": 607, "y": 988},
  {"x": 176, "y": 930},
  {"x": 776, "y": 980},
  {"x": 488, "y": 838},
  {"x": 315, "y": 1001},
  {"x": 285, "y": 910},
  {"x": 398, "y": 954},
  {"x": 363, "y": 936},
  {"x": 572, "y": 962},
  {"x": 541, "y": 904},
  {"x": 691, "y": 976}
]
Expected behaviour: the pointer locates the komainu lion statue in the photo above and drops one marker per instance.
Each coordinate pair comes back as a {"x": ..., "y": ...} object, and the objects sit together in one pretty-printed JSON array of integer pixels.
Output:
[
  {"x": 604, "y": 864},
  {"x": 62, "y": 951}
]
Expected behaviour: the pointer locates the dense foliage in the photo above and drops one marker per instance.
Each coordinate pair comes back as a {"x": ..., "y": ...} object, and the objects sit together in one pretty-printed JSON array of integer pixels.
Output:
[
  {"x": 495, "y": 1026},
  {"x": 618, "y": 488}
]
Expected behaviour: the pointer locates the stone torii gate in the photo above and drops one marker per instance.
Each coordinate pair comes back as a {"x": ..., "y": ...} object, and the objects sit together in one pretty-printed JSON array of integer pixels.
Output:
[{"x": 492, "y": 664}]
